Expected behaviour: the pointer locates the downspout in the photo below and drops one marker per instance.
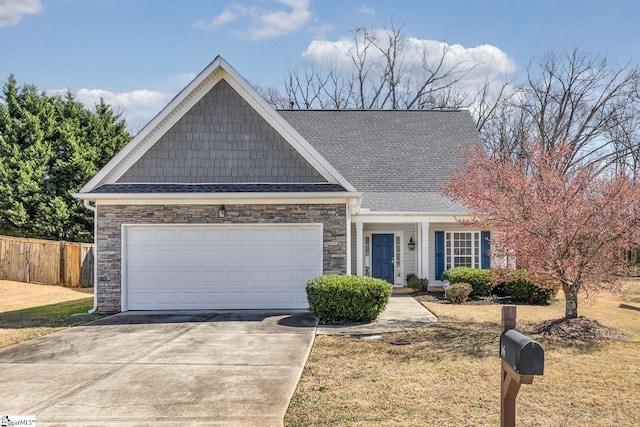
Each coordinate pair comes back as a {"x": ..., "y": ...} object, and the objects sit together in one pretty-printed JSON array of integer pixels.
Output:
[{"x": 95, "y": 257}]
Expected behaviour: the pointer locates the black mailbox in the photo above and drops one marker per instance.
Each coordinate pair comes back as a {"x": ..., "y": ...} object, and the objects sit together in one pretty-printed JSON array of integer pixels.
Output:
[{"x": 524, "y": 355}]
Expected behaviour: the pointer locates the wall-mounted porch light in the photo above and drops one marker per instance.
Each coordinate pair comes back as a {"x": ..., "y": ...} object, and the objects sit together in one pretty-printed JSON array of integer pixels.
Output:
[
  {"x": 221, "y": 211},
  {"x": 411, "y": 244}
]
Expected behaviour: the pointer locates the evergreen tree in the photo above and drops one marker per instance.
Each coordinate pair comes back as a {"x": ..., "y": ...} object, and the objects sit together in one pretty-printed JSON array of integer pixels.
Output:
[{"x": 50, "y": 146}]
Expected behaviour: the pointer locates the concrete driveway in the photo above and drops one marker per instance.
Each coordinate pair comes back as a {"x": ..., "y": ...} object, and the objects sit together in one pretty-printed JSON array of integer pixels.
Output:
[{"x": 213, "y": 369}]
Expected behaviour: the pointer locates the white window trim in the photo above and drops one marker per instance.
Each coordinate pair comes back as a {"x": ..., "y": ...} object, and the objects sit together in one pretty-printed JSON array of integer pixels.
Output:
[{"x": 476, "y": 249}]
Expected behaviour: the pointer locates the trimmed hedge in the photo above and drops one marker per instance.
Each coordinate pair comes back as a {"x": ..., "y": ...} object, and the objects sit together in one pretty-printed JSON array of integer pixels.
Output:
[
  {"x": 480, "y": 280},
  {"x": 524, "y": 287},
  {"x": 458, "y": 293},
  {"x": 340, "y": 298}
]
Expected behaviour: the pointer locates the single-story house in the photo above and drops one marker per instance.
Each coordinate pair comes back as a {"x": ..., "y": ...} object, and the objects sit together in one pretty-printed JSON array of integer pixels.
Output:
[{"x": 223, "y": 202}]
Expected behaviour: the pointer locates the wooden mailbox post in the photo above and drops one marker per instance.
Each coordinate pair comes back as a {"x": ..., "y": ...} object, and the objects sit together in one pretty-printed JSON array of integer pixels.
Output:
[{"x": 522, "y": 359}]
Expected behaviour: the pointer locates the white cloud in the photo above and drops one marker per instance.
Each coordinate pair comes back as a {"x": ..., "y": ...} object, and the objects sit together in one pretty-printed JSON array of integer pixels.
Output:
[
  {"x": 365, "y": 10},
  {"x": 483, "y": 59},
  {"x": 475, "y": 66},
  {"x": 137, "y": 106},
  {"x": 12, "y": 11},
  {"x": 259, "y": 23},
  {"x": 228, "y": 15},
  {"x": 479, "y": 63},
  {"x": 321, "y": 31}
]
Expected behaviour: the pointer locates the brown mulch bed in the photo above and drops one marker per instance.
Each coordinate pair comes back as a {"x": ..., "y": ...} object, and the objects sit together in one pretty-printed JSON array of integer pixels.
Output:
[{"x": 580, "y": 328}]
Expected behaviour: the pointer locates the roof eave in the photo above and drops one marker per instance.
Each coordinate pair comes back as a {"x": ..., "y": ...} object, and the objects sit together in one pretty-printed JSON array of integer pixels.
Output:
[
  {"x": 411, "y": 213},
  {"x": 216, "y": 196}
]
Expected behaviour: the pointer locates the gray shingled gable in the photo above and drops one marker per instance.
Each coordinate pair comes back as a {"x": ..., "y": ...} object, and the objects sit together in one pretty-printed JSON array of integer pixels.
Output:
[
  {"x": 222, "y": 139},
  {"x": 397, "y": 158}
]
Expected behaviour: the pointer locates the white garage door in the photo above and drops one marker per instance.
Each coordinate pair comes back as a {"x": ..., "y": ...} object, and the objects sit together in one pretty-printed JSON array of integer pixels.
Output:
[{"x": 219, "y": 266}]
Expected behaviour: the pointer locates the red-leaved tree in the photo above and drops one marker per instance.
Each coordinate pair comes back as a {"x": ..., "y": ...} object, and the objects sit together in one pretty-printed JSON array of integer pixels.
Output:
[{"x": 564, "y": 222}]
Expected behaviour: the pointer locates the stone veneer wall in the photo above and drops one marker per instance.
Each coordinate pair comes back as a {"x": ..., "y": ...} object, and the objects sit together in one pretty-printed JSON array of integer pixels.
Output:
[{"x": 111, "y": 218}]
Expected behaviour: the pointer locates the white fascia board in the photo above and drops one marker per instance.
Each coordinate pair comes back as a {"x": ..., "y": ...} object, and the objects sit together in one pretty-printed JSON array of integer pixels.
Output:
[
  {"x": 407, "y": 217},
  {"x": 152, "y": 128},
  {"x": 219, "y": 198},
  {"x": 219, "y": 69}
]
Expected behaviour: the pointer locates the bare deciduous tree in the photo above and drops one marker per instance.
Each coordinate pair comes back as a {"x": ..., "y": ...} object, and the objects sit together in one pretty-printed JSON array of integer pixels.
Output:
[
  {"x": 574, "y": 98},
  {"x": 379, "y": 71}
]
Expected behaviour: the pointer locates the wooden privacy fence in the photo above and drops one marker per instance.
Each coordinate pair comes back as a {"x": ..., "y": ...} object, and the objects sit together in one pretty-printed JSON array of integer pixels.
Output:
[{"x": 46, "y": 262}]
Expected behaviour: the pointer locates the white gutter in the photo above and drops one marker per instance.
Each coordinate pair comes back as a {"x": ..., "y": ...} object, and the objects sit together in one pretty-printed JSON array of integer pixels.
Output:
[
  {"x": 215, "y": 196},
  {"x": 95, "y": 259},
  {"x": 364, "y": 213}
]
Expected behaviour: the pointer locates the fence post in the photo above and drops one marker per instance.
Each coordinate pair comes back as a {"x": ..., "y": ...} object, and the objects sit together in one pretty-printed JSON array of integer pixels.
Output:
[
  {"x": 62, "y": 279},
  {"x": 27, "y": 251}
]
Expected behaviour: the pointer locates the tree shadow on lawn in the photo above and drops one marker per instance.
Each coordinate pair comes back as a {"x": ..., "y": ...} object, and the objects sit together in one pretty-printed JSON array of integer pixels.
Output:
[
  {"x": 450, "y": 340},
  {"x": 447, "y": 341},
  {"x": 50, "y": 315},
  {"x": 630, "y": 307}
]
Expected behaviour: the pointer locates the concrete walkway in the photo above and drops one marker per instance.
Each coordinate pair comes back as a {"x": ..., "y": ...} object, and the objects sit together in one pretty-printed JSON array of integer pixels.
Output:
[
  {"x": 402, "y": 313},
  {"x": 191, "y": 369}
]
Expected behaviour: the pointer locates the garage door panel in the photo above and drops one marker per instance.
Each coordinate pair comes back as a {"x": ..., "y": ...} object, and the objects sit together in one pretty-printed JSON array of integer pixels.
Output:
[
  {"x": 193, "y": 277},
  {"x": 236, "y": 235},
  {"x": 182, "y": 256},
  {"x": 285, "y": 276},
  {"x": 164, "y": 235},
  {"x": 149, "y": 255},
  {"x": 285, "y": 297},
  {"x": 186, "y": 297},
  {"x": 260, "y": 235},
  {"x": 212, "y": 255},
  {"x": 236, "y": 256},
  {"x": 260, "y": 256},
  {"x": 189, "y": 235},
  {"x": 310, "y": 234},
  {"x": 140, "y": 235},
  {"x": 304, "y": 275},
  {"x": 260, "y": 277},
  {"x": 236, "y": 276},
  {"x": 286, "y": 235},
  {"x": 212, "y": 235},
  {"x": 263, "y": 298},
  {"x": 306, "y": 255},
  {"x": 220, "y": 266}
]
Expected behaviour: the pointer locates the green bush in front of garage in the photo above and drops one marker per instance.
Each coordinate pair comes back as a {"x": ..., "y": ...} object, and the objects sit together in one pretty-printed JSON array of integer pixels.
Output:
[{"x": 337, "y": 298}]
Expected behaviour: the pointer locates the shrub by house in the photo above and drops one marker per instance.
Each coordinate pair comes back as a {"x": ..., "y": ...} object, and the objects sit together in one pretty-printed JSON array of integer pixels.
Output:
[
  {"x": 339, "y": 298},
  {"x": 479, "y": 279}
]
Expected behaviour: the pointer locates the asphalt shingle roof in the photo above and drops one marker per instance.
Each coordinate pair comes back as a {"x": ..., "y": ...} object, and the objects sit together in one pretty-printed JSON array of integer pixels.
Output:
[{"x": 397, "y": 158}]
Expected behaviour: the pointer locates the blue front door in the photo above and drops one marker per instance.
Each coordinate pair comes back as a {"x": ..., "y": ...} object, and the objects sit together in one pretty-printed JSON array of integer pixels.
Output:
[{"x": 382, "y": 256}]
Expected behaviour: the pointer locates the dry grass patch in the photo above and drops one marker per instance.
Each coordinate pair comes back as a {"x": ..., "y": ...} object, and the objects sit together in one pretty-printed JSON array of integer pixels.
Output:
[
  {"x": 449, "y": 375},
  {"x": 17, "y": 295},
  {"x": 29, "y": 311}
]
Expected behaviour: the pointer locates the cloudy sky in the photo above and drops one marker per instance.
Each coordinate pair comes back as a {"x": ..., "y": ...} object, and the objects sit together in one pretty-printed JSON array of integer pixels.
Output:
[{"x": 138, "y": 54}]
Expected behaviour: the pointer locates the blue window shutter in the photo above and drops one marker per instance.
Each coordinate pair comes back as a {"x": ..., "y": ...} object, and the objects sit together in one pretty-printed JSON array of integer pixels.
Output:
[
  {"x": 439, "y": 254},
  {"x": 485, "y": 247}
]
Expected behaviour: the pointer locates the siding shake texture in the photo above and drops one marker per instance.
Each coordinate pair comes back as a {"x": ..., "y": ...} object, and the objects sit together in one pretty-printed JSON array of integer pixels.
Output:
[{"x": 221, "y": 139}]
